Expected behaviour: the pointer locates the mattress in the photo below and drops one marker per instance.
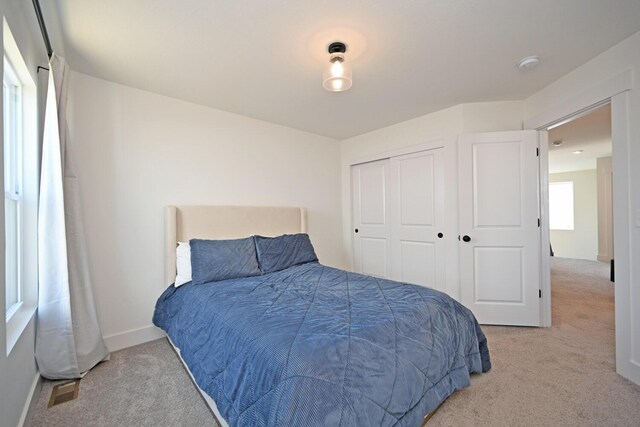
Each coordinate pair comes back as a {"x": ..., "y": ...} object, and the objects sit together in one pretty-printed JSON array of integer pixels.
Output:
[{"x": 313, "y": 345}]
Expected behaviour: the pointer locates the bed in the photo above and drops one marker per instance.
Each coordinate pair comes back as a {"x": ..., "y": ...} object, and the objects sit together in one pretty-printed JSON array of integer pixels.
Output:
[{"x": 310, "y": 344}]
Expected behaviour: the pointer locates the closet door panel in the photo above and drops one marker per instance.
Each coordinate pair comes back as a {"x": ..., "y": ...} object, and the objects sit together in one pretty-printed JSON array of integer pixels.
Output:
[
  {"x": 417, "y": 182},
  {"x": 416, "y": 186},
  {"x": 371, "y": 248},
  {"x": 418, "y": 262}
]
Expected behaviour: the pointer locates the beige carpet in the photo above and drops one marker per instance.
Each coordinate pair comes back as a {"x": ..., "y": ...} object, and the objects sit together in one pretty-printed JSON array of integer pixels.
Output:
[
  {"x": 144, "y": 385},
  {"x": 559, "y": 376}
]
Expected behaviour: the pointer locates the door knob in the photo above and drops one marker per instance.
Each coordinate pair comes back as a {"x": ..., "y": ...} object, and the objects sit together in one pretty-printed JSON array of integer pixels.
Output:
[
  {"x": 466, "y": 238},
  {"x": 440, "y": 235},
  {"x": 356, "y": 230}
]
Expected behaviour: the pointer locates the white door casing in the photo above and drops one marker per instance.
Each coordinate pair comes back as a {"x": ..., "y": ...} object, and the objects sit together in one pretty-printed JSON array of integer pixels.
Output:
[
  {"x": 371, "y": 212},
  {"x": 417, "y": 218},
  {"x": 499, "y": 227},
  {"x": 619, "y": 90}
]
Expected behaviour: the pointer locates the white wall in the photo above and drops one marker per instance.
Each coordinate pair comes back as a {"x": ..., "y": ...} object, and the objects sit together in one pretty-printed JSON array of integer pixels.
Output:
[
  {"x": 492, "y": 116},
  {"x": 18, "y": 369},
  {"x": 138, "y": 152},
  {"x": 580, "y": 85},
  {"x": 441, "y": 127},
  {"x": 582, "y": 241},
  {"x": 605, "y": 209}
]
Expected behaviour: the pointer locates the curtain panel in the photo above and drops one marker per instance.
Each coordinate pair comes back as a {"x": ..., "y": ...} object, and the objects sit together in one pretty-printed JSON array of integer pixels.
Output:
[{"x": 68, "y": 337}]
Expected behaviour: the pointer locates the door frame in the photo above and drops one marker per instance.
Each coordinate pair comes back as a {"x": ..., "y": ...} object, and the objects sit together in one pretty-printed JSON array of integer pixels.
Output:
[{"x": 615, "y": 91}]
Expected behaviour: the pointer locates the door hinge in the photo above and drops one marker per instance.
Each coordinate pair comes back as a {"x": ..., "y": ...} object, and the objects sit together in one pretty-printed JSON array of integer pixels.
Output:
[
  {"x": 538, "y": 222},
  {"x": 538, "y": 152},
  {"x": 539, "y": 293}
]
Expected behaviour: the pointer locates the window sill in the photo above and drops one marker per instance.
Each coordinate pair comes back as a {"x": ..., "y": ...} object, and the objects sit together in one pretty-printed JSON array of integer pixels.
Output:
[{"x": 17, "y": 324}]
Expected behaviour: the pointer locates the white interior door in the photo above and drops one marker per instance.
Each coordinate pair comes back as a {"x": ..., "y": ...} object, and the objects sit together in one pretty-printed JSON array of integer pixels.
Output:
[
  {"x": 371, "y": 247},
  {"x": 417, "y": 218},
  {"x": 499, "y": 228}
]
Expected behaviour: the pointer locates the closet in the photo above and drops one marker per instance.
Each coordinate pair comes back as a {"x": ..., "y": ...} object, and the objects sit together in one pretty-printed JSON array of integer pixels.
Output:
[{"x": 398, "y": 218}]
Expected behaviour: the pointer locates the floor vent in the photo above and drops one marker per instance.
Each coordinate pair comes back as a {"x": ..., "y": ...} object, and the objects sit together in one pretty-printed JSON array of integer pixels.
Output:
[{"x": 64, "y": 393}]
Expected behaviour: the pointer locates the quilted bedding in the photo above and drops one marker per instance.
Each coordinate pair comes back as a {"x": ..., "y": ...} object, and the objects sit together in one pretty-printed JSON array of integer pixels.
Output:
[{"x": 316, "y": 346}]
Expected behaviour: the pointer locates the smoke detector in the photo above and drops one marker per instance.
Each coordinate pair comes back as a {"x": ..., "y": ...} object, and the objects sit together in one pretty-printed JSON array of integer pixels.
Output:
[{"x": 528, "y": 63}]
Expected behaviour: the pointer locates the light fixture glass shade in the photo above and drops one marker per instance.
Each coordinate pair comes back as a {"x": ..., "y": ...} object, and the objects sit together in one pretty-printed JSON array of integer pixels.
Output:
[{"x": 336, "y": 77}]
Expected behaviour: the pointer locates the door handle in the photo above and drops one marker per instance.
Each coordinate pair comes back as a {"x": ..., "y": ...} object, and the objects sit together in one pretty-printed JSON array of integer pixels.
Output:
[
  {"x": 440, "y": 235},
  {"x": 466, "y": 238},
  {"x": 356, "y": 230}
]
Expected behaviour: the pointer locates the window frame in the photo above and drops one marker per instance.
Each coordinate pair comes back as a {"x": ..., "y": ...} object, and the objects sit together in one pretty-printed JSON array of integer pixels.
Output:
[
  {"x": 28, "y": 170},
  {"x": 13, "y": 124}
]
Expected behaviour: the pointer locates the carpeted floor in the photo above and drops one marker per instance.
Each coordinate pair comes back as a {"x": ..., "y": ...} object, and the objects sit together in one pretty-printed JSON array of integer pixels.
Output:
[
  {"x": 559, "y": 376},
  {"x": 144, "y": 385}
]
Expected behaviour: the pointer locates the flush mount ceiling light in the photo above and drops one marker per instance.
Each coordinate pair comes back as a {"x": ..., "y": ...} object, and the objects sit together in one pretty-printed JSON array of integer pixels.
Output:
[
  {"x": 528, "y": 63},
  {"x": 578, "y": 152},
  {"x": 558, "y": 143},
  {"x": 336, "y": 77}
]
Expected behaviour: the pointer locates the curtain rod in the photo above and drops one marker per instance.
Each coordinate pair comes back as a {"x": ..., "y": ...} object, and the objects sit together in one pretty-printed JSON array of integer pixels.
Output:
[{"x": 43, "y": 27}]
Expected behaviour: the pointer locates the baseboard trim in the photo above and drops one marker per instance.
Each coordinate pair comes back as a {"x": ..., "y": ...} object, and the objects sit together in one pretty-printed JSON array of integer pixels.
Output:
[
  {"x": 133, "y": 337},
  {"x": 30, "y": 403}
]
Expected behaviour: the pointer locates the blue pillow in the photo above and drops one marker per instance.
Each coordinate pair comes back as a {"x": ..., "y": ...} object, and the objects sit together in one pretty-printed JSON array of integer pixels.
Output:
[
  {"x": 213, "y": 260},
  {"x": 278, "y": 253}
]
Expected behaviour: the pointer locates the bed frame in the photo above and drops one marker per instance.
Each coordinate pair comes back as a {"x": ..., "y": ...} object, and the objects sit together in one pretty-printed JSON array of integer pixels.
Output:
[{"x": 183, "y": 223}]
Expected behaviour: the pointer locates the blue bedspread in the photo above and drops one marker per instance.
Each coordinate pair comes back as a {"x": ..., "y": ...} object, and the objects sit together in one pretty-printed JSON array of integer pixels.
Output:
[{"x": 316, "y": 346}]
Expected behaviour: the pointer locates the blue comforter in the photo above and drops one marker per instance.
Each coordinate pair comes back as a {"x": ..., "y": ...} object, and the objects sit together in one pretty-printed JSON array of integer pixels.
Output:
[{"x": 316, "y": 346}]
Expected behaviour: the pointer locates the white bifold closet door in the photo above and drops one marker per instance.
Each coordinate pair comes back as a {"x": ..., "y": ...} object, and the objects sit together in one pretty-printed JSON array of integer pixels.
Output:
[{"x": 398, "y": 207}]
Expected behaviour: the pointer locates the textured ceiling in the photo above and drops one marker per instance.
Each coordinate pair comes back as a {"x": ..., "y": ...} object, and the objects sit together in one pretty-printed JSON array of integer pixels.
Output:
[{"x": 264, "y": 59}]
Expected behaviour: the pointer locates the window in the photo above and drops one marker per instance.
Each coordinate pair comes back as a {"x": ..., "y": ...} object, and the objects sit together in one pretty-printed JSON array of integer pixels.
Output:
[
  {"x": 561, "y": 206},
  {"x": 21, "y": 176},
  {"x": 12, "y": 129}
]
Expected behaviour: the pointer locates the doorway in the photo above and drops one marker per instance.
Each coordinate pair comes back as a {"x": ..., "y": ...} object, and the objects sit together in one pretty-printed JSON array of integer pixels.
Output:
[
  {"x": 580, "y": 187},
  {"x": 617, "y": 90},
  {"x": 581, "y": 226}
]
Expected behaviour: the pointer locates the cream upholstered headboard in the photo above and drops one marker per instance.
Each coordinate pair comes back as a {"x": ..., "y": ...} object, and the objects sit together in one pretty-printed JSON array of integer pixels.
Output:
[{"x": 183, "y": 223}]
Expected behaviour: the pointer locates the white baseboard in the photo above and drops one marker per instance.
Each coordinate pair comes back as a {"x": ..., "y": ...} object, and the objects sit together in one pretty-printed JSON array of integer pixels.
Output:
[
  {"x": 30, "y": 403},
  {"x": 133, "y": 337}
]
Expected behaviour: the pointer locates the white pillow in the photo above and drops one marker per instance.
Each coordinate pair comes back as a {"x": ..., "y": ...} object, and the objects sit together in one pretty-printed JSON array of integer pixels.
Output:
[{"x": 183, "y": 263}]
